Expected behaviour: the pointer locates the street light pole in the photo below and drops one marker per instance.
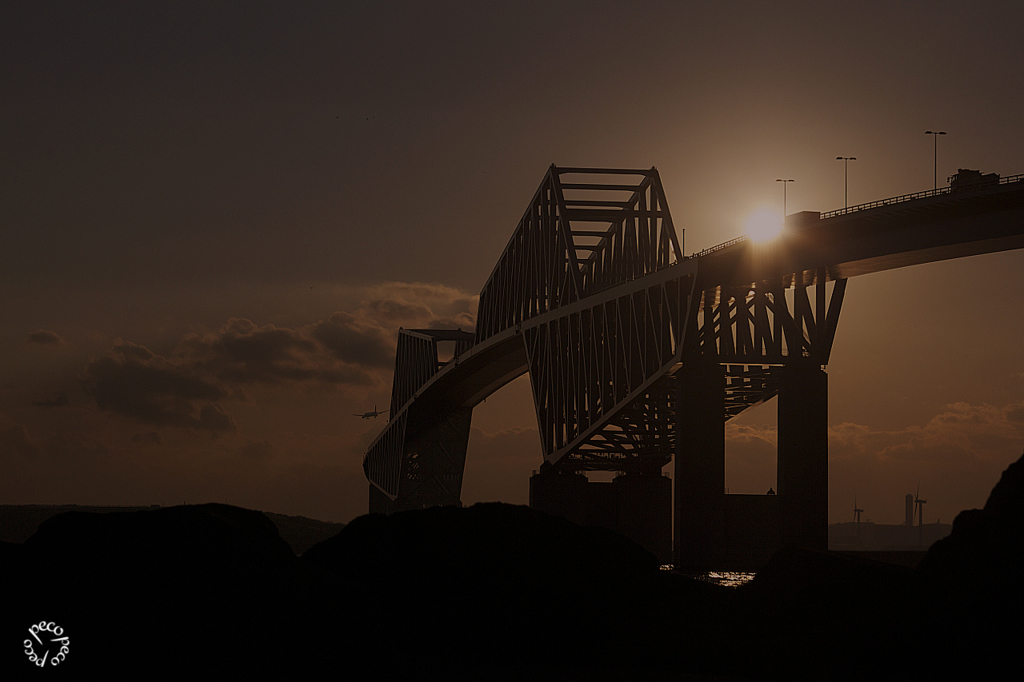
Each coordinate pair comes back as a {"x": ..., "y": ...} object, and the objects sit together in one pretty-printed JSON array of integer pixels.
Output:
[
  {"x": 784, "y": 183},
  {"x": 935, "y": 152},
  {"x": 846, "y": 184}
]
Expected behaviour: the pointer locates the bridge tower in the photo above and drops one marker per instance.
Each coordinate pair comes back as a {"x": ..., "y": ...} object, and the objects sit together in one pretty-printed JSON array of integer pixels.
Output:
[{"x": 432, "y": 453}]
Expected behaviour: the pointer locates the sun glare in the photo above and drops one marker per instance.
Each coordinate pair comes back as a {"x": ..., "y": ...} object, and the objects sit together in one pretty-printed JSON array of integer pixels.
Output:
[{"x": 763, "y": 225}]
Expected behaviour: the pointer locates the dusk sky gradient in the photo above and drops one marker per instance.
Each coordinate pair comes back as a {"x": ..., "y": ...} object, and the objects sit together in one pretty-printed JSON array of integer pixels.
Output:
[{"x": 216, "y": 216}]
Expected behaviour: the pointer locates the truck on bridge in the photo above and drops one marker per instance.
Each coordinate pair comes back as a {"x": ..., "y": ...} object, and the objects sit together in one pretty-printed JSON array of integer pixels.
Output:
[{"x": 965, "y": 178}]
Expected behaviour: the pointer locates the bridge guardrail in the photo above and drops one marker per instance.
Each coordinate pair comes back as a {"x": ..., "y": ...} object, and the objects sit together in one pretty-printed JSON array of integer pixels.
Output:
[
  {"x": 908, "y": 197},
  {"x": 862, "y": 207},
  {"x": 719, "y": 247}
]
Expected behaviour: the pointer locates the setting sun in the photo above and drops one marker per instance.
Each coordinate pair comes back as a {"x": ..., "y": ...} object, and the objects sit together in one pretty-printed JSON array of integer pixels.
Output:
[{"x": 763, "y": 225}]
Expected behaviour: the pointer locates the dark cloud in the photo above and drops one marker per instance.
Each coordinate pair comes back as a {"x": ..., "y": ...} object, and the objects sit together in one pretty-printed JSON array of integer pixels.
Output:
[
  {"x": 395, "y": 310},
  {"x": 458, "y": 313},
  {"x": 242, "y": 353},
  {"x": 751, "y": 457},
  {"x": 1014, "y": 413},
  {"x": 365, "y": 334},
  {"x": 962, "y": 432},
  {"x": 44, "y": 338},
  {"x": 133, "y": 351},
  {"x": 355, "y": 342},
  {"x": 134, "y": 382},
  {"x": 752, "y": 435},
  {"x": 417, "y": 305},
  {"x": 188, "y": 387},
  {"x": 245, "y": 353},
  {"x": 465, "y": 321}
]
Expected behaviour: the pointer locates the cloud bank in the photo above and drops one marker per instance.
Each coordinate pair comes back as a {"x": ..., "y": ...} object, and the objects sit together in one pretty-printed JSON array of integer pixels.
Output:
[
  {"x": 41, "y": 337},
  {"x": 191, "y": 386}
]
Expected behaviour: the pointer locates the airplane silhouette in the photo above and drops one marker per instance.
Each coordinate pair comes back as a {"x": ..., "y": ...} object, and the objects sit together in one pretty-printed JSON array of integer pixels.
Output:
[{"x": 369, "y": 415}]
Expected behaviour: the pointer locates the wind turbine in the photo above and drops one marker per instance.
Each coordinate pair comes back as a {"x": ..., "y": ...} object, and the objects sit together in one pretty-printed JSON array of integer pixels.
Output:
[{"x": 856, "y": 514}]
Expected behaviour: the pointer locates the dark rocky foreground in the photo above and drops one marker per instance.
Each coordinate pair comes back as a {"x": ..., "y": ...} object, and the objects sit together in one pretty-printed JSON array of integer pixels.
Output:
[{"x": 496, "y": 592}]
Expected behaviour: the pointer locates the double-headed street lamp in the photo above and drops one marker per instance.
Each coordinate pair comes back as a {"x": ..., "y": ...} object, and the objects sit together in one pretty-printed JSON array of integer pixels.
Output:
[
  {"x": 784, "y": 183},
  {"x": 846, "y": 185},
  {"x": 935, "y": 137}
]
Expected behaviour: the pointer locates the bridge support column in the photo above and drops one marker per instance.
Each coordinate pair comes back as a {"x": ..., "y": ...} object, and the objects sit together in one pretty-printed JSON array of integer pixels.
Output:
[
  {"x": 700, "y": 466},
  {"x": 803, "y": 456},
  {"x": 638, "y": 505}
]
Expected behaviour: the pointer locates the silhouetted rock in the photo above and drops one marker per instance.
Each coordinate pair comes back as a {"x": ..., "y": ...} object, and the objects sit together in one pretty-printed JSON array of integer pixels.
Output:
[
  {"x": 807, "y": 615},
  {"x": 488, "y": 579},
  {"x": 493, "y": 539},
  {"x": 180, "y": 585},
  {"x": 10, "y": 560},
  {"x": 971, "y": 590},
  {"x": 989, "y": 541},
  {"x": 498, "y": 591}
]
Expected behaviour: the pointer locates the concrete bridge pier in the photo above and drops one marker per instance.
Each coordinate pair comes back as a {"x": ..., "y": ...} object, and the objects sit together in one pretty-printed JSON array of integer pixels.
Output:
[
  {"x": 718, "y": 531},
  {"x": 803, "y": 456},
  {"x": 700, "y": 466},
  {"x": 636, "y": 504}
]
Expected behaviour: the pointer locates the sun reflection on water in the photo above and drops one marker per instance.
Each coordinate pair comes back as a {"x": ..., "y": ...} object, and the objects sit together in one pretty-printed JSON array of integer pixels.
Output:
[
  {"x": 727, "y": 578},
  {"x": 723, "y": 578}
]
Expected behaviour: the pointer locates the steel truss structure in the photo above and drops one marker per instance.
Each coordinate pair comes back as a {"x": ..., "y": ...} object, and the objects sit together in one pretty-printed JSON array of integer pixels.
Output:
[
  {"x": 594, "y": 290},
  {"x": 756, "y": 329},
  {"x": 576, "y": 239},
  {"x": 600, "y": 374},
  {"x": 593, "y": 297}
]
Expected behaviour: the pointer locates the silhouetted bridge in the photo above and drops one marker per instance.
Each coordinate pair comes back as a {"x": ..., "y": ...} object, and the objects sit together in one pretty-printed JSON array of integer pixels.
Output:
[{"x": 638, "y": 355}]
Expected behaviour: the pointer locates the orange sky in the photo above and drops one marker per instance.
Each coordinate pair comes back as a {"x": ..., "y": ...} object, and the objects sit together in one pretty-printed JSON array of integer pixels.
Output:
[{"x": 216, "y": 216}]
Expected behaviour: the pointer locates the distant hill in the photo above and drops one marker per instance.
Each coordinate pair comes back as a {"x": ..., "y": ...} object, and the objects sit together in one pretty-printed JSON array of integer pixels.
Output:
[{"x": 19, "y": 521}]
